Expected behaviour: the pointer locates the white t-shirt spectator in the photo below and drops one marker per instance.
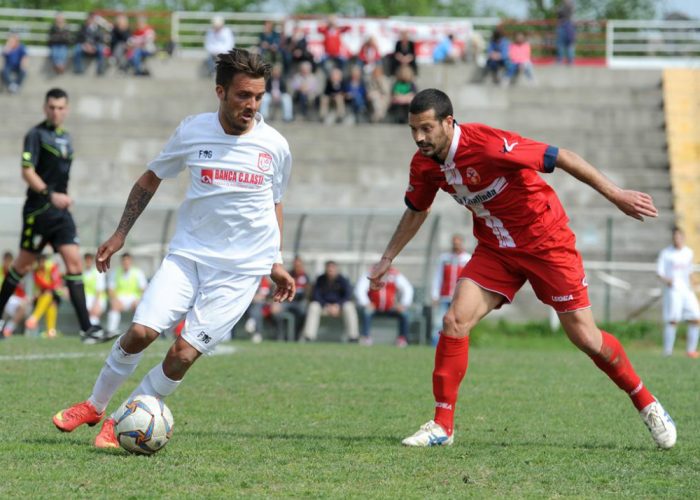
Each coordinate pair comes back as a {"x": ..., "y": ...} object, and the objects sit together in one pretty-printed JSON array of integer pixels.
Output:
[
  {"x": 219, "y": 41},
  {"x": 676, "y": 264}
]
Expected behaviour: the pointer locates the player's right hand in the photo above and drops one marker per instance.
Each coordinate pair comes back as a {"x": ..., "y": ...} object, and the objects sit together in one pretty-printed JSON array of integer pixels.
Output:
[
  {"x": 106, "y": 250},
  {"x": 377, "y": 273}
]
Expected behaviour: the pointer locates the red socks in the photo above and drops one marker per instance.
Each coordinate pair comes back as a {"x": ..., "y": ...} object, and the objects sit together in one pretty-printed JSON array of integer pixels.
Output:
[
  {"x": 451, "y": 359},
  {"x": 613, "y": 361}
]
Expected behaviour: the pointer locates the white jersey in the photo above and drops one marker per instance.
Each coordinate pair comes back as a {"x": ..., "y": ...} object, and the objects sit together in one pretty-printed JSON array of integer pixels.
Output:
[
  {"x": 227, "y": 220},
  {"x": 676, "y": 264}
]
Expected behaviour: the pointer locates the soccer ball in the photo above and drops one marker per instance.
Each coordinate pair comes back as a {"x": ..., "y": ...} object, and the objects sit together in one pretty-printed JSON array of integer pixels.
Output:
[{"x": 144, "y": 425}]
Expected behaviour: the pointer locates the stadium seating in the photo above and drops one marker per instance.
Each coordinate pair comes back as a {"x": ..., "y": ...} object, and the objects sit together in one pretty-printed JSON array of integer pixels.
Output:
[{"x": 614, "y": 118}]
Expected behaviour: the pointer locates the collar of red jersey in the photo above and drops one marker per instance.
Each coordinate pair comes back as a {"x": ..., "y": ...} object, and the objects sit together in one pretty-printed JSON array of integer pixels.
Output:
[{"x": 449, "y": 162}]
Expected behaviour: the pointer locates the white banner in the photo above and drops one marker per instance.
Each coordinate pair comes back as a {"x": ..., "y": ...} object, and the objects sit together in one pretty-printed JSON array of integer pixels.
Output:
[{"x": 386, "y": 32}]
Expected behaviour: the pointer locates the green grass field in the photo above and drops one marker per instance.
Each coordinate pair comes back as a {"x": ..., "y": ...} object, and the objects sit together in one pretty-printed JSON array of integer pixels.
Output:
[{"x": 535, "y": 419}]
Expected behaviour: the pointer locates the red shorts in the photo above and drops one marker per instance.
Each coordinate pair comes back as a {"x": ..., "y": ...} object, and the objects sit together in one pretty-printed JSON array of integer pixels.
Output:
[{"x": 554, "y": 269}]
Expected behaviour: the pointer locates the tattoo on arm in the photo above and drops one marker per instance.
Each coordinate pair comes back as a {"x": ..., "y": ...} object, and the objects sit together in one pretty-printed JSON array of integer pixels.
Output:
[{"x": 138, "y": 199}]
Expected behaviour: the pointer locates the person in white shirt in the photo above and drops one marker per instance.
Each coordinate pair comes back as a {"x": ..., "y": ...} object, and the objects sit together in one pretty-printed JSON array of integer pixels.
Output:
[
  {"x": 675, "y": 268},
  {"x": 126, "y": 285},
  {"x": 95, "y": 289},
  {"x": 393, "y": 300},
  {"x": 219, "y": 39},
  {"x": 228, "y": 236}
]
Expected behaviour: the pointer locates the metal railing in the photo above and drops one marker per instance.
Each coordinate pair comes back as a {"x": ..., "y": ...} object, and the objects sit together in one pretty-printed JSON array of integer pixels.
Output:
[{"x": 652, "y": 44}]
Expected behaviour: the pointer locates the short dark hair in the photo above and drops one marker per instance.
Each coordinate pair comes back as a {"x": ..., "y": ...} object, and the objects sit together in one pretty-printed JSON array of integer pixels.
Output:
[
  {"x": 88, "y": 255},
  {"x": 434, "y": 99},
  {"x": 126, "y": 255},
  {"x": 236, "y": 61},
  {"x": 56, "y": 93},
  {"x": 677, "y": 229}
]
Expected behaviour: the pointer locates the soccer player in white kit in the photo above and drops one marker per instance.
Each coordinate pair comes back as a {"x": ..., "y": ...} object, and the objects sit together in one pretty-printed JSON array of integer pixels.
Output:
[
  {"x": 675, "y": 268},
  {"x": 228, "y": 236}
]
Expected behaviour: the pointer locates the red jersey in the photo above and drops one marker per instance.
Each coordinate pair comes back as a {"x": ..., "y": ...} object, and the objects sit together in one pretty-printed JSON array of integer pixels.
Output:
[
  {"x": 332, "y": 43},
  {"x": 495, "y": 174}
]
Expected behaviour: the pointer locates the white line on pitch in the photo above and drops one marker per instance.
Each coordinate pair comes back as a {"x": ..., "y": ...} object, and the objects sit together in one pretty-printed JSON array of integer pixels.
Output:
[{"x": 222, "y": 350}]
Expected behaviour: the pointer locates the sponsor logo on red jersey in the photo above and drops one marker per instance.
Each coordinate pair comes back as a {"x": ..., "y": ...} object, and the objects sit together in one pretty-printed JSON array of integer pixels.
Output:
[{"x": 264, "y": 161}]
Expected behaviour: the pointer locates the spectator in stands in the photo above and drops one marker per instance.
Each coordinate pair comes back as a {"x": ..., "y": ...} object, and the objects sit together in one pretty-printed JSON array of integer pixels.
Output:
[
  {"x": 296, "y": 51},
  {"x": 333, "y": 95},
  {"x": 60, "y": 39},
  {"x": 118, "y": 42},
  {"x": 16, "y": 307},
  {"x": 15, "y": 63},
  {"x": 256, "y": 311},
  {"x": 304, "y": 88},
  {"x": 394, "y": 300},
  {"x": 333, "y": 51},
  {"x": 276, "y": 96},
  {"x": 566, "y": 32},
  {"x": 404, "y": 54},
  {"x": 297, "y": 307},
  {"x": 378, "y": 94},
  {"x": 448, "y": 269},
  {"x": 675, "y": 270},
  {"x": 402, "y": 93},
  {"x": 269, "y": 43},
  {"x": 125, "y": 287},
  {"x": 142, "y": 45},
  {"x": 519, "y": 59},
  {"x": 91, "y": 43},
  {"x": 369, "y": 55},
  {"x": 47, "y": 296},
  {"x": 218, "y": 40},
  {"x": 445, "y": 51},
  {"x": 496, "y": 55},
  {"x": 95, "y": 289},
  {"x": 331, "y": 296},
  {"x": 356, "y": 94}
]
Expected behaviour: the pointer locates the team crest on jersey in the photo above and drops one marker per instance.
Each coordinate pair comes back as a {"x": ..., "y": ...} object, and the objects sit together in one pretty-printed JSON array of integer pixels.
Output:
[
  {"x": 264, "y": 161},
  {"x": 207, "y": 176},
  {"x": 473, "y": 176}
]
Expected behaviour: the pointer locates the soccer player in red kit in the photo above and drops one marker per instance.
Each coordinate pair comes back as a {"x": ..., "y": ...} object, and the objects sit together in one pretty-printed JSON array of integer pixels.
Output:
[{"x": 522, "y": 235}]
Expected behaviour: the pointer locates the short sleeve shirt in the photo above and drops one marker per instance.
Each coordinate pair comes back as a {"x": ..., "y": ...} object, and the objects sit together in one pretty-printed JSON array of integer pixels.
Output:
[
  {"x": 228, "y": 219},
  {"x": 496, "y": 175},
  {"x": 676, "y": 264}
]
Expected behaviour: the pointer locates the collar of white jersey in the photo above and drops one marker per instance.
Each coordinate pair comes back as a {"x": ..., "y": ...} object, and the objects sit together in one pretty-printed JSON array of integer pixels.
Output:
[{"x": 450, "y": 159}]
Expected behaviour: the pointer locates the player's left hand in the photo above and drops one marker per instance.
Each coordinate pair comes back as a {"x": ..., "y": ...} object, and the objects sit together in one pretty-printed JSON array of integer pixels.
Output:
[
  {"x": 635, "y": 204},
  {"x": 377, "y": 273},
  {"x": 285, "y": 288}
]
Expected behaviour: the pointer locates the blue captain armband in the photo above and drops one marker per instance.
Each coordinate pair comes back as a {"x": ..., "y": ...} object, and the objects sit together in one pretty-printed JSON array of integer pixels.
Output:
[{"x": 550, "y": 158}]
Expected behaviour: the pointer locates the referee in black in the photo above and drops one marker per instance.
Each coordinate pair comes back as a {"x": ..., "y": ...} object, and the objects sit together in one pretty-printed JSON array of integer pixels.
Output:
[{"x": 46, "y": 161}]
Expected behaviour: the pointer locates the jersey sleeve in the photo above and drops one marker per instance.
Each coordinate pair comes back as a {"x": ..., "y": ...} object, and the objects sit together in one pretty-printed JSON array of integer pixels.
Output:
[
  {"x": 283, "y": 170},
  {"x": 509, "y": 150},
  {"x": 32, "y": 148},
  {"x": 171, "y": 160},
  {"x": 420, "y": 192}
]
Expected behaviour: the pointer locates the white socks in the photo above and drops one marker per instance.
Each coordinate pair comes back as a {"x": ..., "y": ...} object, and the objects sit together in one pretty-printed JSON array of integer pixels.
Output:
[
  {"x": 113, "y": 319},
  {"x": 156, "y": 383},
  {"x": 118, "y": 366},
  {"x": 692, "y": 341},
  {"x": 669, "y": 338}
]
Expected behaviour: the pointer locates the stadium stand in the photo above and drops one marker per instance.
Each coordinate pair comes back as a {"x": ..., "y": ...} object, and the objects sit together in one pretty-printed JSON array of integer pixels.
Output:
[
  {"x": 682, "y": 105},
  {"x": 348, "y": 182}
]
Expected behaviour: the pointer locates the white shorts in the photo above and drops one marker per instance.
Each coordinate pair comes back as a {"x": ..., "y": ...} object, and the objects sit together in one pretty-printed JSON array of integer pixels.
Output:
[
  {"x": 213, "y": 301},
  {"x": 680, "y": 305},
  {"x": 90, "y": 301},
  {"x": 13, "y": 304}
]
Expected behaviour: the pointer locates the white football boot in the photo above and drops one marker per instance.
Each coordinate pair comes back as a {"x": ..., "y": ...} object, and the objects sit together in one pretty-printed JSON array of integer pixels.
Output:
[
  {"x": 430, "y": 434},
  {"x": 660, "y": 424}
]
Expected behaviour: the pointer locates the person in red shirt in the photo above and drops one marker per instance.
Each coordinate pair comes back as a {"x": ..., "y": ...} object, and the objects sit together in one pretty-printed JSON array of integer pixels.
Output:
[
  {"x": 333, "y": 43},
  {"x": 16, "y": 306},
  {"x": 522, "y": 235},
  {"x": 142, "y": 44},
  {"x": 450, "y": 266}
]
